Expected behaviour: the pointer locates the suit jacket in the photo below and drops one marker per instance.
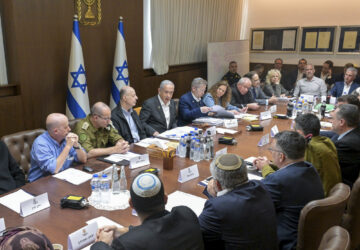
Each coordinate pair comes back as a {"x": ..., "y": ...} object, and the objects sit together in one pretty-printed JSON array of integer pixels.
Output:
[
  {"x": 240, "y": 100},
  {"x": 348, "y": 149},
  {"x": 178, "y": 229},
  {"x": 340, "y": 78},
  {"x": 153, "y": 118},
  {"x": 243, "y": 218},
  {"x": 290, "y": 80},
  {"x": 258, "y": 95},
  {"x": 120, "y": 123},
  {"x": 291, "y": 188},
  {"x": 189, "y": 109},
  {"x": 338, "y": 88}
]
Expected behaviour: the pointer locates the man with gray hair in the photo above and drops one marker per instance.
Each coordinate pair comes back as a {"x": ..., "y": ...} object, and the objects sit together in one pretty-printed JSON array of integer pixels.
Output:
[
  {"x": 241, "y": 96},
  {"x": 347, "y": 142},
  {"x": 239, "y": 213},
  {"x": 158, "y": 113},
  {"x": 191, "y": 105},
  {"x": 125, "y": 119},
  {"x": 97, "y": 135},
  {"x": 291, "y": 187},
  {"x": 347, "y": 86},
  {"x": 56, "y": 149},
  {"x": 310, "y": 85}
]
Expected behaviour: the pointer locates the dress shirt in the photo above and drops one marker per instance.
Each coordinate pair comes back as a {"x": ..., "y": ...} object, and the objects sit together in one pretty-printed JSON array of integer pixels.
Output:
[
  {"x": 166, "y": 110},
  {"x": 44, "y": 152},
  {"x": 132, "y": 125},
  {"x": 345, "y": 133},
  {"x": 346, "y": 89},
  {"x": 315, "y": 86}
]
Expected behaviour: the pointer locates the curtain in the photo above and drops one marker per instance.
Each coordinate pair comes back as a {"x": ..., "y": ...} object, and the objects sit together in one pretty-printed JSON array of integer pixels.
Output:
[
  {"x": 3, "y": 73},
  {"x": 181, "y": 29}
]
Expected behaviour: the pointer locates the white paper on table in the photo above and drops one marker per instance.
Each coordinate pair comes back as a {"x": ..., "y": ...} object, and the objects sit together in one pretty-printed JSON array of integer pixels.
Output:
[
  {"x": 103, "y": 221},
  {"x": 2, "y": 226},
  {"x": 119, "y": 157},
  {"x": 179, "y": 198},
  {"x": 254, "y": 177},
  {"x": 326, "y": 124},
  {"x": 246, "y": 116},
  {"x": 152, "y": 141},
  {"x": 74, "y": 176},
  {"x": 176, "y": 133},
  {"x": 225, "y": 130},
  {"x": 210, "y": 120},
  {"x": 13, "y": 200}
]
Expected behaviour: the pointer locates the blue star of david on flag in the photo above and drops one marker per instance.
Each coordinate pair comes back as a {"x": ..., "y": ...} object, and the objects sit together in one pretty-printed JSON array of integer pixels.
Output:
[
  {"x": 75, "y": 75},
  {"x": 120, "y": 76}
]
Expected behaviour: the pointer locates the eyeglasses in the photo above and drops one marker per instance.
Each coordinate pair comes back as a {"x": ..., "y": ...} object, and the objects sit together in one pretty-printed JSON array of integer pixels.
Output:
[
  {"x": 274, "y": 149},
  {"x": 104, "y": 118}
]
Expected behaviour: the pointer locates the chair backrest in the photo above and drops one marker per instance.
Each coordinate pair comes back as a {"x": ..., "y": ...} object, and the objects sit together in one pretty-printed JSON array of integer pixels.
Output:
[
  {"x": 19, "y": 145},
  {"x": 319, "y": 215},
  {"x": 351, "y": 219},
  {"x": 72, "y": 123},
  {"x": 176, "y": 101},
  {"x": 336, "y": 238}
]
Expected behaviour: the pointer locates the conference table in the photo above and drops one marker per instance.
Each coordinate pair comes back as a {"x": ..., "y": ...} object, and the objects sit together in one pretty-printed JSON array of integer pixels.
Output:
[{"x": 57, "y": 223}]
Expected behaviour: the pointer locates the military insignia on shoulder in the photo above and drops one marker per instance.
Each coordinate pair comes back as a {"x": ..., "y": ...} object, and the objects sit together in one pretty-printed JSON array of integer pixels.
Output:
[
  {"x": 85, "y": 125},
  {"x": 82, "y": 137},
  {"x": 111, "y": 125}
]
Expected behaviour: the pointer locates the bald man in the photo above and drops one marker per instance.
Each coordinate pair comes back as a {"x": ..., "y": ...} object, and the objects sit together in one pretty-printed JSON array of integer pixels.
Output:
[
  {"x": 56, "y": 149},
  {"x": 97, "y": 134}
]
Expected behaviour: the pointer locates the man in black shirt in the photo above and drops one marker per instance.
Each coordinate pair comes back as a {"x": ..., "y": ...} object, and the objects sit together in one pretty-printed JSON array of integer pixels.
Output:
[
  {"x": 232, "y": 77},
  {"x": 241, "y": 97}
]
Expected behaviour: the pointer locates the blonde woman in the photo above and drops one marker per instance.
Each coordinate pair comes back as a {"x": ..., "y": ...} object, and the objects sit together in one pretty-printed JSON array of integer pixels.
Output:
[
  {"x": 272, "y": 84},
  {"x": 220, "y": 94}
]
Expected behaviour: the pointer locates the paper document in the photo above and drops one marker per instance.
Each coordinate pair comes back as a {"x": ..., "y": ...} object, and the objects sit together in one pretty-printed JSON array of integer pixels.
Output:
[
  {"x": 210, "y": 121},
  {"x": 103, "y": 221},
  {"x": 13, "y": 200},
  {"x": 225, "y": 130},
  {"x": 176, "y": 133},
  {"x": 247, "y": 117},
  {"x": 74, "y": 176},
  {"x": 163, "y": 144},
  {"x": 179, "y": 198},
  {"x": 119, "y": 157}
]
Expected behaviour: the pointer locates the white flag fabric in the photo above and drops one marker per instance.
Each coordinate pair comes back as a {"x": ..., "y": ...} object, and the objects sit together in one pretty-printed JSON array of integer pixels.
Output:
[
  {"x": 77, "y": 101},
  {"x": 120, "y": 77}
]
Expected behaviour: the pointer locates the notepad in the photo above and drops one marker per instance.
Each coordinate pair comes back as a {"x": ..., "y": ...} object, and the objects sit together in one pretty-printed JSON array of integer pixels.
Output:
[
  {"x": 74, "y": 176},
  {"x": 13, "y": 200},
  {"x": 178, "y": 198}
]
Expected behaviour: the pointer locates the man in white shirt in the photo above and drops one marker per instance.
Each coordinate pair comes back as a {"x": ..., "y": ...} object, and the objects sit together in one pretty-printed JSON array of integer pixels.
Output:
[
  {"x": 310, "y": 85},
  {"x": 158, "y": 113}
]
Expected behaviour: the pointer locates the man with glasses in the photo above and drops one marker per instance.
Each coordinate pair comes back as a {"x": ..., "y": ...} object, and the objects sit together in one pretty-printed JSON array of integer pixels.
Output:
[
  {"x": 56, "y": 149},
  {"x": 291, "y": 187},
  {"x": 125, "y": 119},
  {"x": 191, "y": 105},
  {"x": 96, "y": 133},
  {"x": 241, "y": 96}
]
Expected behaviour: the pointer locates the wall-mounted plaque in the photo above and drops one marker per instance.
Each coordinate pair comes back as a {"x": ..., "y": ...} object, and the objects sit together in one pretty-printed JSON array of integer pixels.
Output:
[
  {"x": 349, "y": 40},
  {"x": 318, "y": 39}
]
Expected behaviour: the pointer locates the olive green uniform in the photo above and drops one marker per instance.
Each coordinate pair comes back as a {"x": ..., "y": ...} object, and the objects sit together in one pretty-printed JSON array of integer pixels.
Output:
[{"x": 91, "y": 137}]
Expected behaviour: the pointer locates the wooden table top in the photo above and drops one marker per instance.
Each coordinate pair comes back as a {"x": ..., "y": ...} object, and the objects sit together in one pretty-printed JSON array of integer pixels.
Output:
[{"x": 58, "y": 223}]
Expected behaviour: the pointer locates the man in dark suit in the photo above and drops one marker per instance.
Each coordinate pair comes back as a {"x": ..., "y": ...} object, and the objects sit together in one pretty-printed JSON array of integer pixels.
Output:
[
  {"x": 158, "y": 113},
  {"x": 190, "y": 104},
  {"x": 125, "y": 119},
  {"x": 340, "y": 77},
  {"x": 347, "y": 86},
  {"x": 291, "y": 187},
  {"x": 292, "y": 77},
  {"x": 347, "y": 142},
  {"x": 327, "y": 74},
  {"x": 239, "y": 213},
  {"x": 242, "y": 97},
  {"x": 159, "y": 229}
]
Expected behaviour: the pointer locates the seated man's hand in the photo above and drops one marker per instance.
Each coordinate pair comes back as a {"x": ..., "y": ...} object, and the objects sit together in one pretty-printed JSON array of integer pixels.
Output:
[
  {"x": 273, "y": 100},
  {"x": 234, "y": 112},
  {"x": 72, "y": 139},
  {"x": 120, "y": 231},
  {"x": 122, "y": 147},
  {"x": 211, "y": 188},
  {"x": 244, "y": 110},
  {"x": 106, "y": 234},
  {"x": 260, "y": 162},
  {"x": 155, "y": 133},
  {"x": 205, "y": 109},
  {"x": 253, "y": 106}
]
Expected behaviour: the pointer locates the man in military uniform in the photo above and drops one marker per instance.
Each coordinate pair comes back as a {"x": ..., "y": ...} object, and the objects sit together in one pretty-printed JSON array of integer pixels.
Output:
[
  {"x": 96, "y": 133},
  {"x": 232, "y": 77}
]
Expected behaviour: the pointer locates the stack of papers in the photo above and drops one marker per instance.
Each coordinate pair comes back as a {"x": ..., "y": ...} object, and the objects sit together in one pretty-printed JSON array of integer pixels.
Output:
[
  {"x": 74, "y": 176},
  {"x": 119, "y": 157},
  {"x": 226, "y": 130},
  {"x": 179, "y": 198},
  {"x": 210, "y": 120},
  {"x": 176, "y": 133},
  {"x": 13, "y": 200},
  {"x": 163, "y": 144}
]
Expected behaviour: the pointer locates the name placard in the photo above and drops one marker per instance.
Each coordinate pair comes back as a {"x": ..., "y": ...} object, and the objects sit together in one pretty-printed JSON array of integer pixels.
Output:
[
  {"x": 82, "y": 237},
  {"x": 333, "y": 100},
  {"x": 265, "y": 115},
  {"x": 34, "y": 205},
  {"x": 212, "y": 131},
  {"x": 189, "y": 173},
  {"x": 139, "y": 161},
  {"x": 2, "y": 226},
  {"x": 221, "y": 152},
  {"x": 230, "y": 123},
  {"x": 274, "y": 130},
  {"x": 264, "y": 140},
  {"x": 273, "y": 109}
]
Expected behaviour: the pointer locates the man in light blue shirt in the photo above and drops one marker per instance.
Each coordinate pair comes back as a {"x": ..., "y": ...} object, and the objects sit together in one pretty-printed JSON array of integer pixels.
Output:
[
  {"x": 310, "y": 85},
  {"x": 56, "y": 149}
]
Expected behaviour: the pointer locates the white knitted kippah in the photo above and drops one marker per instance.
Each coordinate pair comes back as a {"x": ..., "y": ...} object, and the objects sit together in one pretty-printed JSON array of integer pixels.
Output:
[{"x": 146, "y": 185}]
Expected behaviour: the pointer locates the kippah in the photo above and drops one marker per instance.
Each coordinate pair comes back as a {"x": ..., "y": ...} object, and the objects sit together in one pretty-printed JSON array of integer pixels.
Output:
[
  {"x": 229, "y": 162},
  {"x": 146, "y": 185}
]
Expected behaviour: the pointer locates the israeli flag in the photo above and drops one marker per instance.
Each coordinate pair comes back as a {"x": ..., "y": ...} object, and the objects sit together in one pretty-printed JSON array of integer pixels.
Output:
[
  {"x": 77, "y": 101},
  {"x": 120, "y": 75}
]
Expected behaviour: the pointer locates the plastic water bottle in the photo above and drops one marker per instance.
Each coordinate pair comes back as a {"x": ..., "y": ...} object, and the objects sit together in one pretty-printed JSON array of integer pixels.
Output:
[
  {"x": 305, "y": 107},
  {"x": 197, "y": 150},
  {"x": 123, "y": 182},
  {"x": 299, "y": 109},
  {"x": 211, "y": 146},
  {"x": 115, "y": 185},
  {"x": 192, "y": 144},
  {"x": 95, "y": 189},
  {"x": 105, "y": 189},
  {"x": 182, "y": 147},
  {"x": 294, "y": 111},
  {"x": 202, "y": 148}
]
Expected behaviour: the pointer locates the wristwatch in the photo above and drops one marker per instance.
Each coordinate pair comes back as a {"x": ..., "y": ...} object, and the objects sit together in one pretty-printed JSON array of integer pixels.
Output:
[{"x": 78, "y": 147}]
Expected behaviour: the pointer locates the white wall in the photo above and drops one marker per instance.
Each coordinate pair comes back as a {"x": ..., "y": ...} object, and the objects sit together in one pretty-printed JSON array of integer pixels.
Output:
[{"x": 284, "y": 13}]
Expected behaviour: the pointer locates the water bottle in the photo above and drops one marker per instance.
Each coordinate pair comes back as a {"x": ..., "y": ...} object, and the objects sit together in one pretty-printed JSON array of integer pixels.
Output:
[
  {"x": 105, "y": 189},
  {"x": 95, "y": 189},
  {"x": 323, "y": 109},
  {"x": 197, "y": 150},
  {"x": 192, "y": 144},
  {"x": 211, "y": 146},
  {"x": 115, "y": 185},
  {"x": 299, "y": 109},
  {"x": 123, "y": 182},
  {"x": 188, "y": 145},
  {"x": 202, "y": 148},
  {"x": 182, "y": 147},
  {"x": 294, "y": 111},
  {"x": 289, "y": 109},
  {"x": 305, "y": 107}
]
